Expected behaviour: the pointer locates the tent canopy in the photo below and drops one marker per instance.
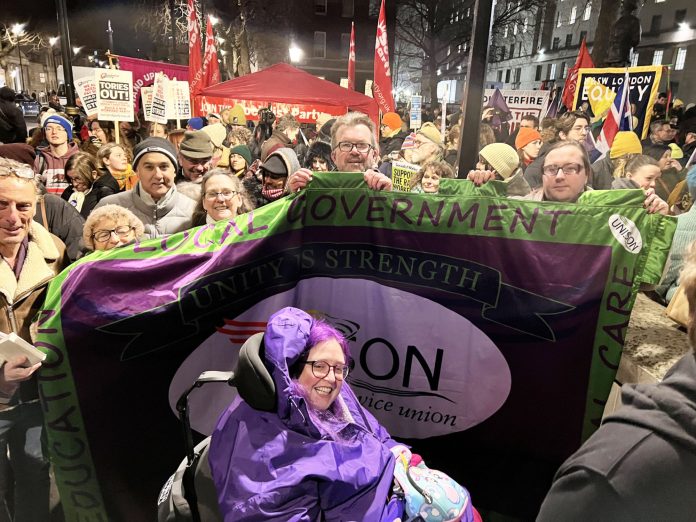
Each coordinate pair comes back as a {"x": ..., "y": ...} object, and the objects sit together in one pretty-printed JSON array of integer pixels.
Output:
[{"x": 283, "y": 83}]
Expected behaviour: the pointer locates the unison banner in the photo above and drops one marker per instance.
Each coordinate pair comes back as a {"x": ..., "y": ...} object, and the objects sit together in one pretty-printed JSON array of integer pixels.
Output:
[
  {"x": 645, "y": 84},
  {"x": 481, "y": 326}
]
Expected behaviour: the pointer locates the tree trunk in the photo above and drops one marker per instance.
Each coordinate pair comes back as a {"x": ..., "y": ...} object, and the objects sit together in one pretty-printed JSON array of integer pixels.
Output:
[
  {"x": 608, "y": 13},
  {"x": 243, "y": 64}
]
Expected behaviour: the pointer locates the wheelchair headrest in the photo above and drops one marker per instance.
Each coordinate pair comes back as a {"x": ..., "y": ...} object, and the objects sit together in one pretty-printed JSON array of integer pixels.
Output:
[{"x": 251, "y": 377}]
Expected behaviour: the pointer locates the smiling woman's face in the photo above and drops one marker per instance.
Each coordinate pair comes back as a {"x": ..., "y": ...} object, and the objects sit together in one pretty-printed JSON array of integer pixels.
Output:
[{"x": 322, "y": 391}]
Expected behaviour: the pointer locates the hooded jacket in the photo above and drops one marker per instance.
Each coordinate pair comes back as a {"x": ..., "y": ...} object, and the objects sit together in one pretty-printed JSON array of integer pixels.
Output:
[
  {"x": 51, "y": 168},
  {"x": 282, "y": 466},
  {"x": 641, "y": 464}
]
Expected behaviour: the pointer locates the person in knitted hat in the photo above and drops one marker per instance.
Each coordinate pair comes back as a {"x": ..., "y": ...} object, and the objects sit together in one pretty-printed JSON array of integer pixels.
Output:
[
  {"x": 392, "y": 134},
  {"x": 50, "y": 160},
  {"x": 212, "y": 118},
  {"x": 528, "y": 145},
  {"x": 195, "y": 156},
  {"x": 195, "y": 124},
  {"x": 155, "y": 200},
  {"x": 240, "y": 160},
  {"x": 274, "y": 176},
  {"x": 428, "y": 145},
  {"x": 234, "y": 116},
  {"x": 500, "y": 161},
  {"x": 625, "y": 146},
  {"x": 217, "y": 133}
]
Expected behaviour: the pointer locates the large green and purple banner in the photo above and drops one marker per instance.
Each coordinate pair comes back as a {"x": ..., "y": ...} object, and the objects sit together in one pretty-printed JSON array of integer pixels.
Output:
[{"x": 486, "y": 331}]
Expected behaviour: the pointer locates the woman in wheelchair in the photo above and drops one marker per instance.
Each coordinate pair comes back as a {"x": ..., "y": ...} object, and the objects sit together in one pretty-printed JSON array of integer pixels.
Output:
[{"x": 321, "y": 455}]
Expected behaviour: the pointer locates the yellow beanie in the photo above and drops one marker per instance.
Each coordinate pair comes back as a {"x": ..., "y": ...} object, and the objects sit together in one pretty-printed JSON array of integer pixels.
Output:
[
  {"x": 429, "y": 130},
  {"x": 677, "y": 153},
  {"x": 625, "y": 142}
]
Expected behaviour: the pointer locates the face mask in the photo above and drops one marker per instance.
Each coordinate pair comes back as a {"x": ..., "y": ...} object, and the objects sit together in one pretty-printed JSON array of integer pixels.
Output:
[{"x": 272, "y": 194}]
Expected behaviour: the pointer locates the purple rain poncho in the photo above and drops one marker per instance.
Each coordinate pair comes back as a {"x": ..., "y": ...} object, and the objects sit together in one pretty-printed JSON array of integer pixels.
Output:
[{"x": 286, "y": 467}]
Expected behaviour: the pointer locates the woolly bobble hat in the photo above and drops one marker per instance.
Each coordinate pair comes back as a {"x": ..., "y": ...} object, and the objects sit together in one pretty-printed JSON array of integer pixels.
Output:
[
  {"x": 216, "y": 132},
  {"x": 243, "y": 151},
  {"x": 63, "y": 122},
  {"x": 196, "y": 123},
  {"x": 525, "y": 136},
  {"x": 502, "y": 157},
  {"x": 429, "y": 130},
  {"x": 392, "y": 120},
  {"x": 154, "y": 145},
  {"x": 677, "y": 153},
  {"x": 625, "y": 142}
]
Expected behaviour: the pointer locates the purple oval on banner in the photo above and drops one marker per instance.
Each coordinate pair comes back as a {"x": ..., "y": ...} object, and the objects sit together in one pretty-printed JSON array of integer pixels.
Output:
[{"x": 421, "y": 369}]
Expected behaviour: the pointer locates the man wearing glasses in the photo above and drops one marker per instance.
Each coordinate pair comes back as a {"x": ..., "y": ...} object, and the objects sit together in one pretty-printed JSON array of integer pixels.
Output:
[
  {"x": 31, "y": 257},
  {"x": 565, "y": 174},
  {"x": 353, "y": 149},
  {"x": 155, "y": 199}
]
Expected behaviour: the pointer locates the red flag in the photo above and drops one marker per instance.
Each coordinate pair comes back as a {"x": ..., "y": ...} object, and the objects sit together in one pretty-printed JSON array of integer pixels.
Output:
[
  {"x": 351, "y": 58},
  {"x": 382, "y": 85},
  {"x": 195, "y": 65},
  {"x": 211, "y": 66},
  {"x": 584, "y": 61}
]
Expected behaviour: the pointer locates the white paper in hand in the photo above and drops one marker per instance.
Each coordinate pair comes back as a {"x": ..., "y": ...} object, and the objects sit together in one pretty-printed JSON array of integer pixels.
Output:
[{"x": 11, "y": 345}]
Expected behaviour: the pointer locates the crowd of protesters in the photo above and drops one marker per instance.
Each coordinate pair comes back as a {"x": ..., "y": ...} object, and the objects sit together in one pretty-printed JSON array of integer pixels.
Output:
[{"x": 76, "y": 185}]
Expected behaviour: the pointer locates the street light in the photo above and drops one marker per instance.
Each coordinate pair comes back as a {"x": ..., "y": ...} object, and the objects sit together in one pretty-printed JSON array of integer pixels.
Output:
[
  {"x": 295, "y": 53},
  {"x": 213, "y": 19},
  {"x": 18, "y": 31},
  {"x": 76, "y": 50}
]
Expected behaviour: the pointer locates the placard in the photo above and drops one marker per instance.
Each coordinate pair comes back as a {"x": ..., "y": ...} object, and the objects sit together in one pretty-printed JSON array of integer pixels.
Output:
[
  {"x": 402, "y": 173},
  {"x": 160, "y": 90},
  {"x": 114, "y": 95},
  {"x": 181, "y": 97},
  {"x": 415, "y": 113},
  {"x": 521, "y": 103},
  {"x": 146, "y": 97},
  {"x": 87, "y": 91}
]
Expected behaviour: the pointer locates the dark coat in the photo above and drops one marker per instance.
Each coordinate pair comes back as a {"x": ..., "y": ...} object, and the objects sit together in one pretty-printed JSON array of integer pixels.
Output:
[
  {"x": 639, "y": 465},
  {"x": 103, "y": 186},
  {"x": 14, "y": 119},
  {"x": 63, "y": 221}
]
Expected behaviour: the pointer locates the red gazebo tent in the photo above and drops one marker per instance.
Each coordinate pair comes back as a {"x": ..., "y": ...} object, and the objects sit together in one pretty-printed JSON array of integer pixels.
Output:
[{"x": 286, "y": 89}]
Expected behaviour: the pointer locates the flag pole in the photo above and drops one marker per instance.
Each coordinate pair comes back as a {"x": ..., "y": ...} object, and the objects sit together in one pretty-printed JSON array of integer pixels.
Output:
[{"x": 472, "y": 98}]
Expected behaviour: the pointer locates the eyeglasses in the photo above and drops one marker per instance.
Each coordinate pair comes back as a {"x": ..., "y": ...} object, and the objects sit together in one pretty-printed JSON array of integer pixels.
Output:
[
  {"x": 104, "y": 235},
  {"x": 225, "y": 194},
  {"x": 320, "y": 369},
  {"x": 196, "y": 161},
  {"x": 20, "y": 172},
  {"x": 569, "y": 169},
  {"x": 347, "y": 146}
]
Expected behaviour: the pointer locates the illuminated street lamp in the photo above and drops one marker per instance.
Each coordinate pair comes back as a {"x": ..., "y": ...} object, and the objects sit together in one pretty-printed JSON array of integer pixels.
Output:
[
  {"x": 18, "y": 32},
  {"x": 213, "y": 19},
  {"x": 295, "y": 53}
]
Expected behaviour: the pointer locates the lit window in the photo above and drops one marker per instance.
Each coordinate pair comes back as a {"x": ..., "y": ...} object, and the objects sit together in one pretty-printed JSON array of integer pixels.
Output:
[
  {"x": 634, "y": 60},
  {"x": 657, "y": 57},
  {"x": 552, "y": 74},
  {"x": 588, "y": 11},
  {"x": 564, "y": 70},
  {"x": 573, "y": 15},
  {"x": 514, "y": 29},
  {"x": 659, "y": 1},
  {"x": 558, "y": 20},
  {"x": 505, "y": 32},
  {"x": 468, "y": 12},
  {"x": 681, "y": 58},
  {"x": 526, "y": 25}
]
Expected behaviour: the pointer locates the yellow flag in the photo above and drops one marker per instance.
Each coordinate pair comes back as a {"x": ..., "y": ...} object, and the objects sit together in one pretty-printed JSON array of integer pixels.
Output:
[{"x": 600, "y": 97}]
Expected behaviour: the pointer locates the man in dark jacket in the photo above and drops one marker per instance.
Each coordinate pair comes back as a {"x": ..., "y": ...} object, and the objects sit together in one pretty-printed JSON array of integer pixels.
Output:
[
  {"x": 13, "y": 128},
  {"x": 641, "y": 464}
]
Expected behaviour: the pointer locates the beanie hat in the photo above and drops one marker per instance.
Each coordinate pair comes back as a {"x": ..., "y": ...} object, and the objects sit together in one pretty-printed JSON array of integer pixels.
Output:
[
  {"x": 677, "y": 103},
  {"x": 60, "y": 120},
  {"x": 195, "y": 123},
  {"x": 392, "y": 120},
  {"x": 525, "y": 136},
  {"x": 282, "y": 162},
  {"x": 677, "y": 153},
  {"x": 216, "y": 132},
  {"x": 429, "y": 130},
  {"x": 243, "y": 151},
  {"x": 236, "y": 116},
  {"x": 213, "y": 115},
  {"x": 154, "y": 145},
  {"x": 625, "y": 142},
  {"x": 21, "y": 152},
  {"x": 196, "y": 145},
  {"x": 502, "y": 157}
]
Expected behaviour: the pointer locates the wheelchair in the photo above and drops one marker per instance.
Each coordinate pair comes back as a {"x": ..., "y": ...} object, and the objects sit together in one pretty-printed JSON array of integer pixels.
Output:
[{"x": 189, "y": 495}]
